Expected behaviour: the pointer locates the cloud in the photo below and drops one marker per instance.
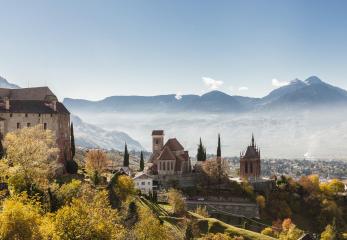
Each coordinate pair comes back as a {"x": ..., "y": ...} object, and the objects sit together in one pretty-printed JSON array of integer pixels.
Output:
[
  {"x": 278, "y": 83},
  {"x": 211, "y": 83},
  {"x": 243, "y": 88},
  {"x": 178, "y": 96}
]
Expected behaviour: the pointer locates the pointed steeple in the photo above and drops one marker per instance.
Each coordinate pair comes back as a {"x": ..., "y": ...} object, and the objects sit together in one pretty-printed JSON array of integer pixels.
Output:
[{"x": 252, "y": 140}]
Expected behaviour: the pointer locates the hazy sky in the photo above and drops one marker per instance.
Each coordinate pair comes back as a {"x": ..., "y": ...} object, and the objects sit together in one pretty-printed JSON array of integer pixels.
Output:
[{"x": 93, "y": 49}]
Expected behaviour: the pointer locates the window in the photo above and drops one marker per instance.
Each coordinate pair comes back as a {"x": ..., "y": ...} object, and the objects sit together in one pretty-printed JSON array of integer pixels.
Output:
[
  {"x": 18, "y": 125},
  {"x": 11, "y": 114},
  {"x": 51, "y": 114},
  {"x": 156, "y": 141},
  {"x": 251, "y": 167},
  {"x": 171, "y": 165},
  {"x": 28, "y": 124},
  {"x": 26, "y": 115},
  {"x": 149, "y": 183},
  {"x": 39, "y": 114},
  {"x": 246, "y": 167},
  {"x": 164, "y": 166},
  {"x": 143, "y": 183},
  {"x": 45, "y": 126}
]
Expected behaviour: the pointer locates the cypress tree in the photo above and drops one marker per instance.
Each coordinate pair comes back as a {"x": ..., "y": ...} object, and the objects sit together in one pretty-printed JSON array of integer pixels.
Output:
[
  {"x": 126, "y": 156},
  {"x": 73, "y": 148},
  {"x": 142, "y": 162},
  {"x": 201, "y": 155},
  {"x": 219, "y": 151}
]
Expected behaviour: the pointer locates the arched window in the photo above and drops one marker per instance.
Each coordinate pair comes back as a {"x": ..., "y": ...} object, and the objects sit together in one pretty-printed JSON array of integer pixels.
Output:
[{"x": 164, "y": 166}]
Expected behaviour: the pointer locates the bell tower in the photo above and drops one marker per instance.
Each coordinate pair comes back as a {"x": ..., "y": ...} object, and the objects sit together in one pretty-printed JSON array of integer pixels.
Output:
[{"x": 157, "y": 140}]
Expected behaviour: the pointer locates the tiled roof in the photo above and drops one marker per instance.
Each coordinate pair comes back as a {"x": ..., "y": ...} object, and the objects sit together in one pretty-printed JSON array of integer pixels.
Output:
[
  {"x": 157, "y": 132},
  {"x": 36, "y": 93},
  {"x": 166, "y": 154},
  {"x": 33, "y": 106},
  {"x": 142, "y": 175},
  {"x": 174, "y": 145},
  {"x": 251, "y": 152}
]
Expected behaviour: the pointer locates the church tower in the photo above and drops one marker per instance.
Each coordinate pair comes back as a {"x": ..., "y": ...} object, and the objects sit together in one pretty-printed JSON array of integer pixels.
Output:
[
  {"x": 157, "y": 140},
  {"x": 250, "y": 162}
]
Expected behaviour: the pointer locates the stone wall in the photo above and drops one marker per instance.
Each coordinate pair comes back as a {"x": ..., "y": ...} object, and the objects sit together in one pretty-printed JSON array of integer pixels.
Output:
[
  {"x": 239, "y": 209},
  {"x": 58, "y": 123}
]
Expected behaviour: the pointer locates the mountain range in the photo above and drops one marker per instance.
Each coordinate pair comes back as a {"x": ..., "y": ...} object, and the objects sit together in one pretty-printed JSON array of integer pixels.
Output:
[{"x": 297, "y": 95}]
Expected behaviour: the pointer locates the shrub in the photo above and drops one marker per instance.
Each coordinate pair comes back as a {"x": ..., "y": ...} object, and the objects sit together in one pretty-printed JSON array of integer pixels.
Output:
[
  {"x": 202, "y": 211},
  {"x": 176, "y": 201}
]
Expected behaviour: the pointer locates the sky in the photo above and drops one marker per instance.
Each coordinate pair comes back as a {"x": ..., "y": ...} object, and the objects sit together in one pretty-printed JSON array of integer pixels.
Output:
[{"x": 94, "y": 49}]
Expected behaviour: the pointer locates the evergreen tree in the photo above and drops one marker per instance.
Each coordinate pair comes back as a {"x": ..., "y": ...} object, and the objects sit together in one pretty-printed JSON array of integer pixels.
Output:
[
  {"x": 201, "y": 155},
  {"x": 73, "y": 148},
  {"x": 126, "y": 156},
  {"x": 219, "y": 151},
  {"x": 142, "y": 162}
]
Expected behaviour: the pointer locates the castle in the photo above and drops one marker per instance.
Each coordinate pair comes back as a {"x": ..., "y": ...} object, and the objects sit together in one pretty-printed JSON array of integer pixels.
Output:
[
  {"x": 27, "y": 107},
  {"x": 250, "y": 162},
  {"x": 168, "y": 159}
]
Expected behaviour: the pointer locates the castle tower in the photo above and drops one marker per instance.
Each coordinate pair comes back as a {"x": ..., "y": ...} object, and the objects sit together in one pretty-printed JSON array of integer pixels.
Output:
[
  {"x": 250, "y": 162},
  {"x": 157, "y": 140}
]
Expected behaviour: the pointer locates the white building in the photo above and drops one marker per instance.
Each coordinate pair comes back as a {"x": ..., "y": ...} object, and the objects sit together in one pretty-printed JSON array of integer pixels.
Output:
[{"x": 143, "y": 182}]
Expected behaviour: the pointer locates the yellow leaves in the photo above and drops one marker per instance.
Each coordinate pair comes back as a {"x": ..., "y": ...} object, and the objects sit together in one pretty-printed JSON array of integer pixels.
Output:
[
  {"x": 261, "y": 201},
  {"x": 176, "y": 201},
  {"x": 20, "y": 218},
  {"x": 31, "y": 152},
  {"x": 149, "y": 227},
  {"x": 332, "y": 187},
  {"x": 93, "y": 219},
  {"x": 124, "y": 187},
  {"x": 217, "y": 236}
]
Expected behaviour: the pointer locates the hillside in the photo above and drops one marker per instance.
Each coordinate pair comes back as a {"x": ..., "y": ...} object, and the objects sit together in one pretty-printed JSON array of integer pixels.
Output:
[{"x": 90, "y": 136}]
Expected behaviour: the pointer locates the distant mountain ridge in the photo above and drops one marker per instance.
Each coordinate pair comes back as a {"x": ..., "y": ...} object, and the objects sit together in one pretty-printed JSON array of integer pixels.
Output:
[
  {"x": 297, "y": 94},
  {"x": 5, "y": 84}
]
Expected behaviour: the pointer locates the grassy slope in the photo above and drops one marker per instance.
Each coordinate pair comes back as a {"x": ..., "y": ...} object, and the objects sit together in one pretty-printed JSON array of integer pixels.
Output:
[
  {"x": 206, "y": 225},
  {"x": 215, "y": 225}
]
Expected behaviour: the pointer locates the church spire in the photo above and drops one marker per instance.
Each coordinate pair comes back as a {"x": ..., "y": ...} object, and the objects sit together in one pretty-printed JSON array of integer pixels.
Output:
[{"x": 252, "y": 140}]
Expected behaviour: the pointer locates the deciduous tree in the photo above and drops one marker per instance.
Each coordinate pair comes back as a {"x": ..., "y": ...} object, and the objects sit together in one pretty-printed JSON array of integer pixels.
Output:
[
  {"x": 32, "y": 154},
  {"x": 96, "y": 160}
]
